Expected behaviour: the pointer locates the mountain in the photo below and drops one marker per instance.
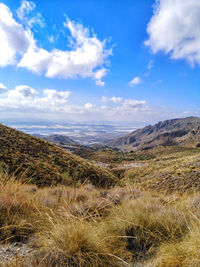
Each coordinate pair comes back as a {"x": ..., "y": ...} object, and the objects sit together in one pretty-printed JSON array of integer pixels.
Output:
[
  {"x": 44, "y": 163},
  {"x": 164, "y": 133}
]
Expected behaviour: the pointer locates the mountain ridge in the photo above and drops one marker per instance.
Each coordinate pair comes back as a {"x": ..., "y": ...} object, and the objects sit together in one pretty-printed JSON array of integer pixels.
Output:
[{"x": 163, "y": 133}]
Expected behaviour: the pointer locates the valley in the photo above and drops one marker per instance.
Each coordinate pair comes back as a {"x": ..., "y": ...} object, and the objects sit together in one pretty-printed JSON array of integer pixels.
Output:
[{"x": 100, "y": 207}]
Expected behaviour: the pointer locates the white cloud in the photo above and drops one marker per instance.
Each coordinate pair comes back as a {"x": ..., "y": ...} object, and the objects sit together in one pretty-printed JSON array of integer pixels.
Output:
[
  {"x": 55, "y": 96},
  {"x": 113, "y": 99},
  {"x": 89, "y": 106},
  {"x": 99, "y": 74},
  {"x": 116, "y": 100},
  {"x": 87, "y": 58},
  {"x": 133, "y": 103},
  {"x": 25, "y": 8},
  {"x": 23, "y": 14},
  {"x": 25, "y": 97},
  {"x": 14, "y": 40},
  {"x": 23, "y": 91},
  {"x": 3, "y": 88},
  {"x": 36, "y": 20},
  {"x": 51, "y": 39},
  {"x": 175, "y": 29},
  {"x": 135, "y": 81}
]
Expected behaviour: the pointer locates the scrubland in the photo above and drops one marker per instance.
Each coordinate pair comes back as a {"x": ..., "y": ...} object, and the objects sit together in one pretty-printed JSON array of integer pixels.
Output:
[{"x": 152, "y": 217}]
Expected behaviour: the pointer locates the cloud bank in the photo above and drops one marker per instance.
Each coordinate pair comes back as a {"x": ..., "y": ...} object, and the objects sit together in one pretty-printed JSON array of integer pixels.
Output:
[{"x": 24, "y": 101}]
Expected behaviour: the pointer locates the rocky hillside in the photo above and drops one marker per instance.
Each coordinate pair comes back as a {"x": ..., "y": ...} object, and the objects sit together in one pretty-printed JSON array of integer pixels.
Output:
[
  {"x": 44, "y": 163},
  {"x": 165, "y": 133},
  {"x": 191, "y": 138}
]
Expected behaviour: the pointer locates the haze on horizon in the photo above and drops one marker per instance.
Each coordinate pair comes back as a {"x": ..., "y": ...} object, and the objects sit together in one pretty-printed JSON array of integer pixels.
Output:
[{"x": 99, "y": 61}]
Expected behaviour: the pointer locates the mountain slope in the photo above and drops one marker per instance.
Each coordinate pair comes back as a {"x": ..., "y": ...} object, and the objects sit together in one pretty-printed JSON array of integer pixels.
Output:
[
  {"x": 60, "y": 139},
  {"x": 191, "y": 138},
  {"x": 164, "y": 133},
  {"x": 45, "y": 163}
]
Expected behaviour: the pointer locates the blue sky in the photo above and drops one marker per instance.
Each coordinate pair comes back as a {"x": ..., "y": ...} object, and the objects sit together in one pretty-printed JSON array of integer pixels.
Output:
[{"x": 99, "y": 61}]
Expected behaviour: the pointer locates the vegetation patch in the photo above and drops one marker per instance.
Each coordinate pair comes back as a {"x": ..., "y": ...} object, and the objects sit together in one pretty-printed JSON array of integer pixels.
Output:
[{"x": 43, "y": 164}]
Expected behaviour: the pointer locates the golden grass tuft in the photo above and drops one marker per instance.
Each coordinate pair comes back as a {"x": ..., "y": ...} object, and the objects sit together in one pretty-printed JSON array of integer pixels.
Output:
[{"x": 185, "y": 253}]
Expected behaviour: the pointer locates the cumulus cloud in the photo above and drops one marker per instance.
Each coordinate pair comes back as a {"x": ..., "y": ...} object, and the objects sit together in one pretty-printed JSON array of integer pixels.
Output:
[
  {"x": 23, "y": 91},
  {"x": 14, "y": 39},
  {"x": 25, "y": 97},
  {"x": 135, "y": 81},
  {"x": 87, "y": 57},
  {"x": 175, "y": 29}
]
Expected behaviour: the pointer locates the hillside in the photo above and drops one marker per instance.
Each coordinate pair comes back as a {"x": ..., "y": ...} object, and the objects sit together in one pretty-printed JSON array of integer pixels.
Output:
[
  {"x": 165, "y": 133},
  {"x": 174, "y": 169},
  {"x": 45, "y": 163}
]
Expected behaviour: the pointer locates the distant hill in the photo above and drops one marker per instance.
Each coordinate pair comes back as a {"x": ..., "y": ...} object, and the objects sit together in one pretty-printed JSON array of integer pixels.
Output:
[
  {"x": 60, "y": 139},
  {"x": 68, "y": 144},
  {"x": 166, "y": 133},
  {"x": 45, "y": 163}
]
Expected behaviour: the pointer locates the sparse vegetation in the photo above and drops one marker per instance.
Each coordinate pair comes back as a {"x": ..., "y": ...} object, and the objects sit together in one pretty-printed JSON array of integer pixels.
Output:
[
  {"x": 151, "y": 217},
  {"x": 46, "y": 164},
  {"x": 174, "y": 170},
  {"x": 113, "y": 156},
  {"x": 86, "y": 226}
]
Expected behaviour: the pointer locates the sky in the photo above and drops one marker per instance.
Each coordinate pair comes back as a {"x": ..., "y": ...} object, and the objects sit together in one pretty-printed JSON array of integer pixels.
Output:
[{"x": 99, "y": 61}]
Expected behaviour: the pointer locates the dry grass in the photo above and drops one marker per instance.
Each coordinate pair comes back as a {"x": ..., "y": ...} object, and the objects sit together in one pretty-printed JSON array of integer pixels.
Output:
[
  {"x": 88, "y": 226},
  {"x": 177, "y": 171},
  {"x": 180, "y": 254},
  {"x": 16, "y": 206}
]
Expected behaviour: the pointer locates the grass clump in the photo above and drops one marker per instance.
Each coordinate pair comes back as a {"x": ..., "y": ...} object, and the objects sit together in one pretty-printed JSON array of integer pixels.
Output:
[
  {"x": 141, "y": 225},
  {"x": 185, "y": 253},
  {"x": 15, "y": 207},
  {"x": 80, "y": 242}
]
